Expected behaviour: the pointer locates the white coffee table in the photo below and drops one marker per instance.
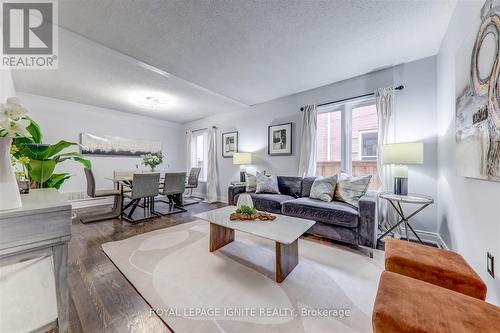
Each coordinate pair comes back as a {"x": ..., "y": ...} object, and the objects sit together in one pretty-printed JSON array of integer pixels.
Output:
[{"x": 284, "y": 230}]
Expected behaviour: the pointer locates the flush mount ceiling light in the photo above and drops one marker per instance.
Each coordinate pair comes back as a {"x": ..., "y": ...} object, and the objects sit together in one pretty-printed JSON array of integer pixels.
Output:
[
  {"x": 147, "y": 99},
  {"x": 153, "y": 102}
]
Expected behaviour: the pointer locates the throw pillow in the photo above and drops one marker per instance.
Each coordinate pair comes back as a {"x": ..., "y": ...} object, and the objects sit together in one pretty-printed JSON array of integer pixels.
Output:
[
  {"x": 251, "y": 182},
  {"x": 351, "y": 189},
  {"x": 323, "y": 188},
  {"x": 267, "y": 184}
]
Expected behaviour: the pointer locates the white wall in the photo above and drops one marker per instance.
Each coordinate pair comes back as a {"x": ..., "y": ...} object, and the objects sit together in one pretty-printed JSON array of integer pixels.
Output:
[
  {"x": 468, "y": 209},
  {"x": 63, "y": 120},
  {"x": 6, "y": 85},
  {"x": 416, "y": 120}
]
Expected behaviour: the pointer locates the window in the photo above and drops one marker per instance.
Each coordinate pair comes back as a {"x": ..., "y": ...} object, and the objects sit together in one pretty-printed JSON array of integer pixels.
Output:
[
  {"x": 347, "y": 140},
  {"x": 329, "y": 143},
  {"x": 199, "y": 152}
]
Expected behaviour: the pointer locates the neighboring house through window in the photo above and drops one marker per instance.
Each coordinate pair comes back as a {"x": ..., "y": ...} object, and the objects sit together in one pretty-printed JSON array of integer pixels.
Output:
[{"x": 347, "y": 140}]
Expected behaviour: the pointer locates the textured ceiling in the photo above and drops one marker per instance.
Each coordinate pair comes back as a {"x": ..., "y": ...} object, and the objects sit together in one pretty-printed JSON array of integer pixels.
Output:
[
  {"x": 250, "y": 51},
  {"x": 92, "y": 74}
]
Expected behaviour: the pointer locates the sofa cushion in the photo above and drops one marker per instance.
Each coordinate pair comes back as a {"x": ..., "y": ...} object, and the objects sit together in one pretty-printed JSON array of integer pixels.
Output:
[
  {"x": 269, "y": 202},
  {"x": 290, "y": 186},
  {"x": 307, "y": 183},
  {"x": 267, "y": 184},
  {"x": 334, "y": 212},
  {"x": 351, "y": 189},
  {"x": 323, "y": 188}
]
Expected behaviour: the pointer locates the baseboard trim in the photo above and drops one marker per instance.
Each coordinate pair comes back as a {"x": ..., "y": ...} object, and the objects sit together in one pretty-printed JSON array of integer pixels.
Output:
[
  {"x": 428, "y": 237},
  {"x": 91, "y": 202}
]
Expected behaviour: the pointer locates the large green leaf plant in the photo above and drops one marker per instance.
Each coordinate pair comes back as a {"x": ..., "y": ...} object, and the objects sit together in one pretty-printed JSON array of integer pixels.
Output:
[{"x": 42, "y": 159}]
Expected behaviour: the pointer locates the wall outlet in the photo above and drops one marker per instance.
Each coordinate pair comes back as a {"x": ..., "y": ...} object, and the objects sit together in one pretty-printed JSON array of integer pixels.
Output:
[{"x": 490, "y": 264}]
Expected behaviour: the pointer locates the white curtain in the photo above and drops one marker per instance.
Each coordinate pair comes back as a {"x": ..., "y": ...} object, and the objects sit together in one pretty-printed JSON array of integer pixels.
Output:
[
  {"x": 212, "y": 181},
  {"x": 189, "y": 150},
  {"x": 307, "y": 161},
  {"x": 386, "y": 134}
]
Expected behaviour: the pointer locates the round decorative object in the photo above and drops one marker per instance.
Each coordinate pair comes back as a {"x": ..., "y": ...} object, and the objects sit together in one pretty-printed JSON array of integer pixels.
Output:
[
  {"x": 485, "y": 55},
  {"x": 244, "y": 200}
]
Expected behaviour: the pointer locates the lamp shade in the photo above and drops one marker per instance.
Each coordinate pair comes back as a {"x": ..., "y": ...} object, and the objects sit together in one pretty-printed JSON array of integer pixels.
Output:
[
  {"x": 242, "y": 158},
  {"x": 403, "y": 153}
]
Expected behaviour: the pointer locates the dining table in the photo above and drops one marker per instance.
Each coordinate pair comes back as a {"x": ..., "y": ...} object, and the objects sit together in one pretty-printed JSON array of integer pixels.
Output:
[{"x": 126, "y": 183}]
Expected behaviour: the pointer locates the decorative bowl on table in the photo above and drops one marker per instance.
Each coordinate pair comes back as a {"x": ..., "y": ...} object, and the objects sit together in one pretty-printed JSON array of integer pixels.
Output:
[{"x": 246, "y": 213}]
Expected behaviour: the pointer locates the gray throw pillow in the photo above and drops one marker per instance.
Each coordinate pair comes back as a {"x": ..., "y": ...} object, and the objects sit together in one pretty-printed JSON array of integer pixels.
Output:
[
  {"x": 251, "y": 182},
  {"x": 323, "y": 188},
  {"x": 351, "y": 189},
  {"x": 267, "y": 184}
]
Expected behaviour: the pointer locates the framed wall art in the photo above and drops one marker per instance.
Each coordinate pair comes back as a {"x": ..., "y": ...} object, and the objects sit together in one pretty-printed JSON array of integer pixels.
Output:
[
  {"x": 279, "y": 139},
  {"x": 229, "y": 144}
]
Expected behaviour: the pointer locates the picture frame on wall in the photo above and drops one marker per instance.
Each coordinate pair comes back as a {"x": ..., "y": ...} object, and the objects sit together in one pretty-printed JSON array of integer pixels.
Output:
[
  {"x": 229, "y": 144},
  {"x": 280, "y": 139}
]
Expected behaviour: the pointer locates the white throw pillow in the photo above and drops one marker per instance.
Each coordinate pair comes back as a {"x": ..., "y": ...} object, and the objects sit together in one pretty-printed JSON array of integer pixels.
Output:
[
  {"x": 351, "y": 189},
  {"x": 267, "y": 184},
  {"x": 251, "y": 182},
  {"x": 323, "y": 188}
]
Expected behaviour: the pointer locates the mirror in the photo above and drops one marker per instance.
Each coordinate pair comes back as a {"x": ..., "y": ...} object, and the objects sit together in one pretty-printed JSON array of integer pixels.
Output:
[{"x": 488, "y": 51}]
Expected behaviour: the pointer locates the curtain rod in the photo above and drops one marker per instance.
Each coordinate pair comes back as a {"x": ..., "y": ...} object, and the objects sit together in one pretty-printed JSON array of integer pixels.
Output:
[
  {"x": 401, "y": 87},
  {"x": 201, "y": 129}
]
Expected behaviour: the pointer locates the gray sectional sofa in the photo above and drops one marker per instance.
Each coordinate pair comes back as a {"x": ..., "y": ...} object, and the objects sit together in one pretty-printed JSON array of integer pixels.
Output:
[{"x": 334, "y": 220}]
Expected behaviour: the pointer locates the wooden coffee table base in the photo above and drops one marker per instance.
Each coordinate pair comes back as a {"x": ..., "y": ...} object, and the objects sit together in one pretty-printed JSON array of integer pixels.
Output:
[
  {"x": 287, "y": 255},
  {"x": 220, "y": 236}
]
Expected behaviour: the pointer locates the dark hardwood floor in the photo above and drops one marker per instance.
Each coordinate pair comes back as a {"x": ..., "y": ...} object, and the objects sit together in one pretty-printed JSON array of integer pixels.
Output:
[{"x": 101, "y": 298}]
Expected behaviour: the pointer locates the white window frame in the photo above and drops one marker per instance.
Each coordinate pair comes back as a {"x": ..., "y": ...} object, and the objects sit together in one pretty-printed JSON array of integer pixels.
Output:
[
  {"x": 346, "y": 127},
  {"x": 194, "y": 151},
  {"x": 360, "y": 145}
]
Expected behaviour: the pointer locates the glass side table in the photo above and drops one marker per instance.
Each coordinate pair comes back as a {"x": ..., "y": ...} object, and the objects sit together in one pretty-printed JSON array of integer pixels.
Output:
[{"x": 395, "y": 200}]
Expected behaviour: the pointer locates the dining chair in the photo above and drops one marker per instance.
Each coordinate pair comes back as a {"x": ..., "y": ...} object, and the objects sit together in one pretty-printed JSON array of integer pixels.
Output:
[
  {"x": 173, "y": 187},
  {"x": 93, "y": 193},
  {"x": 143, "y": 186},
  {"x": 192, "y": 183}
]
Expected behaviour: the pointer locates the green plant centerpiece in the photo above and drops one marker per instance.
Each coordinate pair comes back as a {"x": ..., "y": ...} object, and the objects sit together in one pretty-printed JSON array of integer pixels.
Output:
[
  {"x": 246, "y": 213},
  {"x": 40, "y": 160},
  {"x": 152, "y": 160}
]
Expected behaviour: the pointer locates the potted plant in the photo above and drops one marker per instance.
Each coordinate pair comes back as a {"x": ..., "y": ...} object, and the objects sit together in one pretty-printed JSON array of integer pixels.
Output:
[
  {"x": 40, "y": 160},
  {"x": 152, "y": 160}
]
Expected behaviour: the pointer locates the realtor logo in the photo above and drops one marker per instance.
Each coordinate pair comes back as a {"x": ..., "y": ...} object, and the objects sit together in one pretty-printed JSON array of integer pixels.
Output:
[{"x": 29, "y": 34}]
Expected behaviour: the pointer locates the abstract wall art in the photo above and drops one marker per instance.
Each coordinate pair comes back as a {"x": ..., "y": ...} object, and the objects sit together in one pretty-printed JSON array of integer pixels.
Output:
[
  {"x": 478, "y": 104},
  {"x": 113, "y": 145}
]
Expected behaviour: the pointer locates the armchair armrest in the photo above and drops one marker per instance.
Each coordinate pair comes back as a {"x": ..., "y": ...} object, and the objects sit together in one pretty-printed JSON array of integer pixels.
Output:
[
  {"x": 232, "y": 191},
  {"x": 367, "y": 229}
]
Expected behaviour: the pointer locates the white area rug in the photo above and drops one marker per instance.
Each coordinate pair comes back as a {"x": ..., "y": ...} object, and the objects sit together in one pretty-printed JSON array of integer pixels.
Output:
[{"x": 332, "y": 289}]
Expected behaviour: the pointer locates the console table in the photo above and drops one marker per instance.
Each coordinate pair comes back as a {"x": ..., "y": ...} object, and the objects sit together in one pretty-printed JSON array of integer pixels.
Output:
[{"x": 41, "y": 227}]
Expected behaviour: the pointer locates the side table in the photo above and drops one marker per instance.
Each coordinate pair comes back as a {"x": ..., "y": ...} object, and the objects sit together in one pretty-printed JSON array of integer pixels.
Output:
[{"x": 395, "y": 200}]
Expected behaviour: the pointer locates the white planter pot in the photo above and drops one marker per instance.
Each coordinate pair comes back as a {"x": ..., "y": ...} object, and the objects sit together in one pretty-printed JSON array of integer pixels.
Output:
[{"x": 9, "y": 191}]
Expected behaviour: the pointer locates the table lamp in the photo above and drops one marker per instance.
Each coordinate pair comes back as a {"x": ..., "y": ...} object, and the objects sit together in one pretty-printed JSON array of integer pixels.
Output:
[
  {"x": 400, "y": 155},
  {"x": 242, "y": 159}
]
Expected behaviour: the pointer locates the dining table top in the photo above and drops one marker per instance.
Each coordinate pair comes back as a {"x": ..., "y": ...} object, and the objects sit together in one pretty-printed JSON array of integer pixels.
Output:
[{"x": 123, "y": 179}]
